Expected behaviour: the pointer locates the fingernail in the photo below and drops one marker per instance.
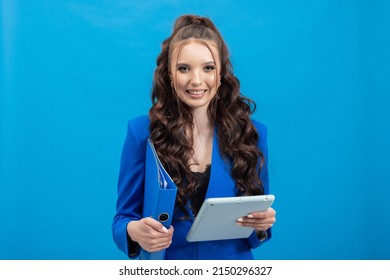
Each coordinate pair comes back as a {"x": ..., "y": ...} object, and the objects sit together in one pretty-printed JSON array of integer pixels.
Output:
[
  {"x": 250, "y": 216},
  {"x": 164, "y": 229},
  {"x": 240, "y": 220}
]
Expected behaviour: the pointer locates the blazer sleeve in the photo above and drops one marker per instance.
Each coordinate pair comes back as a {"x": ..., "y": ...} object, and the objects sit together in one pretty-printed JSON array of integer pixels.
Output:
[
  {"x": 130, "y": 184},
  {"x": 253, "y": 239}
]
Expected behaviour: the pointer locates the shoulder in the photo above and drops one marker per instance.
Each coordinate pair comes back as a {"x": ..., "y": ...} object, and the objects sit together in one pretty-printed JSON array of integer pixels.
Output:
[
  {"x": 139, "y": 126},
  {"x": 140, "y": 121},
  {"x": 262, "y": 131},
  {"x": 260, "y": 127}
]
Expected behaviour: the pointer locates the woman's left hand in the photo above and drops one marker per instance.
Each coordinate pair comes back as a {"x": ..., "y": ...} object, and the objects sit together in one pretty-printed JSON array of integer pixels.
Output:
[{"x": 259, "y": 220}]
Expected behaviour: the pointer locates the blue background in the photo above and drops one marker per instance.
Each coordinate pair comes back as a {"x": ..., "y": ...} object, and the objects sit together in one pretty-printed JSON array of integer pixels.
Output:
[{"x": 74, "y": 72}]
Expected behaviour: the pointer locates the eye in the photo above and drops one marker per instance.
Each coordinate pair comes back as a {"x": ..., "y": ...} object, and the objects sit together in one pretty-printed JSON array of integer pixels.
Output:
[
  {"x": 183, "y": 68},
  {"x": 209, "y": 68}
]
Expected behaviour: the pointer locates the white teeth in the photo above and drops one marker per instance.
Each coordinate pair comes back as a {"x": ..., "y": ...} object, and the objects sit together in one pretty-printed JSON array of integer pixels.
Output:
[{"x": 196, "y": 92}]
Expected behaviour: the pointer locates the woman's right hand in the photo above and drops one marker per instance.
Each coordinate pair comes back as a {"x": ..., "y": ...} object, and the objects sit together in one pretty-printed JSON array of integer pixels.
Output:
[{"x": 150, "y": 234}]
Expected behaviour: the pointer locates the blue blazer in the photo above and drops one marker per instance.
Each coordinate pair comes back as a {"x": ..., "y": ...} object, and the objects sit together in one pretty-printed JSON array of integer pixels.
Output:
[{"x": 221, "y": 184}]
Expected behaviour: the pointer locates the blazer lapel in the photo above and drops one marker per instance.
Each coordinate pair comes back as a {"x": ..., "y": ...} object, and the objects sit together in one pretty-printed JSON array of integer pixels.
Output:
[{"x": 221, "y": 183}]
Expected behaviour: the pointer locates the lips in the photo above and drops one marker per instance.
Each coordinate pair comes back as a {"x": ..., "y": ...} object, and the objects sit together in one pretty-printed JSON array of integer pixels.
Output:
[{"x": 196, "y": 91}]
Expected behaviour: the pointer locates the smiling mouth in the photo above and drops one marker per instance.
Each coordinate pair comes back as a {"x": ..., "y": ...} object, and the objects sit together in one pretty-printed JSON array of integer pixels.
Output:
[{"x": 196, "y": 92}]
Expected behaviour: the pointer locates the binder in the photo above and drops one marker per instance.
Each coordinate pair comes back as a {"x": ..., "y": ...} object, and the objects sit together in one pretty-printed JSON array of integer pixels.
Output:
[{"x": 159, "y": 196}]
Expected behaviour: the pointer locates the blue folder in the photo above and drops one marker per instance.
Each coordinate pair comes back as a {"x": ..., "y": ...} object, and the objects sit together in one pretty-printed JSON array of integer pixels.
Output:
[{"x": 159, "y": 196}]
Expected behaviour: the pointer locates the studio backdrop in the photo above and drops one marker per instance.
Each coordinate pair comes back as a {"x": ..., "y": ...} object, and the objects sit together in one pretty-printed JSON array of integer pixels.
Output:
[{"x": 73, "y": 72}]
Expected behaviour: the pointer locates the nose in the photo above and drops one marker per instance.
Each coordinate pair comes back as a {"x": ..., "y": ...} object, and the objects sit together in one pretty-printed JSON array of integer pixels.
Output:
[{"x": 196, "y": 78}]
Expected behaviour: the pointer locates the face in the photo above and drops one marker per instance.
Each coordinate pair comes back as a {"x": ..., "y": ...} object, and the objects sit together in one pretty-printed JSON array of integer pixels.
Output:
[{"x": 195, "y": 74}]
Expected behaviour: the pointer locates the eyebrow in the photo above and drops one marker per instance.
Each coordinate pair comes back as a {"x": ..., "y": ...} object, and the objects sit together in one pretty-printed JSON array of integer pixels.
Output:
[{"x": 186, "y": 64}]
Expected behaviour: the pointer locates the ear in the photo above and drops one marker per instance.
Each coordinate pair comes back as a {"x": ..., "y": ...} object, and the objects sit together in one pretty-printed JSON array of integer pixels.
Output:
[{"x": 171, "y": 79}]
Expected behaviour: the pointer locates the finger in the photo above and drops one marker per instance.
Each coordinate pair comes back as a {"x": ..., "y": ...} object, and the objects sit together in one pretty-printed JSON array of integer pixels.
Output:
[
  {"x": 247, "y": 220},
  {"x": 270, "y": 212},
  {"x": 255, "y": 222},
  {"x": 171, "y": 230},
  {"x": 158, "y": 244},
  {"x": 156, "y": 225},
  {"x": 256, "y": 225},
  {"x": 158, "y": 247},
  {"x": 264, "y": 226},
  {"x": 252, "y": 220}
]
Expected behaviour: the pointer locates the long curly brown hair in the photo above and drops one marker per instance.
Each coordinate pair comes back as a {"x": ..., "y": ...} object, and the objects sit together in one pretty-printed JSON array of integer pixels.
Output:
[{"x": 171, "y": 122}]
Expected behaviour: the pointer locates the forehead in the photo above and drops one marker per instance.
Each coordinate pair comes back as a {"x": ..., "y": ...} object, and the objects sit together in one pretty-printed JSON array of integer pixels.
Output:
[{"x": 195, "y": 50}]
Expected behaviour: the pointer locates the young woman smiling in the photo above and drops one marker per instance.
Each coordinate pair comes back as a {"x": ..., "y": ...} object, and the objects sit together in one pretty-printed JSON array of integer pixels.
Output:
[{"x": 201, "y": 128}]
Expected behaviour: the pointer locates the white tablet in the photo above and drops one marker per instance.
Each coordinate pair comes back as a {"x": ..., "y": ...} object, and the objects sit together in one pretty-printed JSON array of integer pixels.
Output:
[{"x": 217, "y": 217}]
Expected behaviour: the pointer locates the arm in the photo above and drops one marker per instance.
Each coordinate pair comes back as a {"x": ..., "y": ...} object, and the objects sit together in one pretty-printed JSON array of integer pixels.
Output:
[
  {"x": 261, "y": 221},
  {"x": 130, "y": 230},
  {"x": 130, "y": 186}
]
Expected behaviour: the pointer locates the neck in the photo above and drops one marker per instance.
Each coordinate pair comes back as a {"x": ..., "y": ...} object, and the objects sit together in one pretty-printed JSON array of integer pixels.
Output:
[
  {"x": 202, "y": 134},
  {"x": 202, "y": 123}
]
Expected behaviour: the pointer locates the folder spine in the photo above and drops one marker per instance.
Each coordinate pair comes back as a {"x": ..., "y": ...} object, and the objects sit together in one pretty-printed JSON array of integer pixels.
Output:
[
  {"x": 159, "y": 198},
  {"x": 163, "y": 213}
]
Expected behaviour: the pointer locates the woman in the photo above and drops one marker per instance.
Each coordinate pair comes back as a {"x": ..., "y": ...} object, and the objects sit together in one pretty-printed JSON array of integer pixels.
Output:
[{"x": 200, "y": 126}]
